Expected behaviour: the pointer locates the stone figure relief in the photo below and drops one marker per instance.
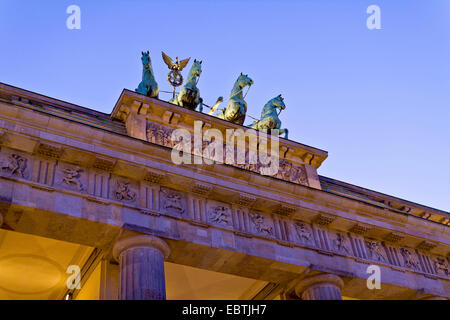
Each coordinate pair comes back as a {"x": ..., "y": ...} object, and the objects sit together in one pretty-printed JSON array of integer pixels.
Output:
[
  {"x": 303, "y": 231},
  {"x": 260, "y": 225},
  {"x": 408, "y": 259},
  {"x": 287, "y": 171},
  {"x": 375, "y": 250},
  {"x": 220, "y": 215},
  {"x": 172, "y": 201},
  {"x": 123, "y": 192},
  {"x": 72, "y": 177},
  {"x": 16, "y": 165},
  {"x": 159, "y": 134},
  {"x": 340, "y": 244},
  {"x": 441, "y": 266},
  {"x": 290, "y": 172}
]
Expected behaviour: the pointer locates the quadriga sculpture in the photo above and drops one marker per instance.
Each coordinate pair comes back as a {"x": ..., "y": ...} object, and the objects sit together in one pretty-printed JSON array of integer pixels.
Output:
[
  {"x": 148, "y": 85},
  {"x": 189, "y": 95},
  {"x": 237, "y": 107},
  {"x": 269, "y": 116}
]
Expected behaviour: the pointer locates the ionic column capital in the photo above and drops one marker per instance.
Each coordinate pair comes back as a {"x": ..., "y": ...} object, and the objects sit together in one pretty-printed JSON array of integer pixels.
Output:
[
  {"x": 318, "y": 281},
  {"x": 140, "y": 241}
]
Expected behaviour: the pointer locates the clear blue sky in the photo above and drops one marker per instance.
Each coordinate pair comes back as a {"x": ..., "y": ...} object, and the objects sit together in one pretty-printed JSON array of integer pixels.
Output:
[{"x": 376, "y": 100}]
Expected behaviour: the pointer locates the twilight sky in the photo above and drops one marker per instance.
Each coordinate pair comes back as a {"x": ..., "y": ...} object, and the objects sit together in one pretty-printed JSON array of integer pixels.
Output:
[{"x": 376, "y": 100}]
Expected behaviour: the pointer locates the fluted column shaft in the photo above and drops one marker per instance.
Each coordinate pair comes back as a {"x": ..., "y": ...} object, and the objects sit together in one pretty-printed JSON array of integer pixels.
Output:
[
  {"x": 141, "y": 260},
  {"x": 320, "y": 287}
]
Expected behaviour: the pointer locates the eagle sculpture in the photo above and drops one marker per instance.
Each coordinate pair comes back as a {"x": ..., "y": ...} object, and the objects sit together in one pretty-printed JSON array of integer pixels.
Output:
[{"x": 177, "y": 66}]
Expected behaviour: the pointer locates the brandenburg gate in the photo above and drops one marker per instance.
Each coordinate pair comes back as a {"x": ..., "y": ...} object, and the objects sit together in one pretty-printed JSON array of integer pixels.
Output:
[{"x": 99, "y": 193}]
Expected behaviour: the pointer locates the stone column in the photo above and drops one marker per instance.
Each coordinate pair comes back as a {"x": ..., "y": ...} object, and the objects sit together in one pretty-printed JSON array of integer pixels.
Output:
[
  {"x": 141, "y": 270},
  {"x": 320, "y": 287}
]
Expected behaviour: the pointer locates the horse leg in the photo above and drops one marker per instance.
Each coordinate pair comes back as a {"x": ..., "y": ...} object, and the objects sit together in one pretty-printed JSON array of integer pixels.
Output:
[{"x": 285, "y": 131}]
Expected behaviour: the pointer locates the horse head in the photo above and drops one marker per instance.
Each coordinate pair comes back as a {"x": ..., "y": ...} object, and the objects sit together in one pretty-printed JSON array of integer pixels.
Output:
[
  {"x": 196, "y": 69},
  {"x": 278, "y": 103},
  {"x": 243, "y": 80},
  {"x": 146, "y": 59}
]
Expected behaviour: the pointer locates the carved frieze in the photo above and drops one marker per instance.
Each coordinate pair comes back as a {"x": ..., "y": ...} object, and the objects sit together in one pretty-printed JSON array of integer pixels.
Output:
[
  {"x": 71, "y": 178},
  {"x": 220, "y": 215},
  {"x": 123, "y": 191},
  {"x": 290, "y": 172},
  {"x": 409, "y": 260},
  {"x": 341, "y": 244},
  {"x": 303, "y": 232},
  {"x": 376, "y": 251},
  {"x": 441, "y": 266},
  {"x": 159, "y": 134},
  {"x": 172, "y": 201},
  {"x": 260, "y": 224},
  {"x": 14, "y": 165}
]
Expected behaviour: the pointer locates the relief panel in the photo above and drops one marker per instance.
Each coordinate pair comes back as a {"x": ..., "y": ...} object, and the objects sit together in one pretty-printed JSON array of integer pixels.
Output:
[
  {"x": 340, "y": 243},
  {"x": 219, "y": 213},
  {"x": 172, "y": 202},
  {"x": 261, "y": 224},
  {"x": 123, "y": 190},
  {"x": 69, "y": 177},
  {"x": 376, "y": 251},
  {"x": 303, "y": 233},
  {"x": 410, "y": 259},
  {"x": 15, "y": 164}
]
